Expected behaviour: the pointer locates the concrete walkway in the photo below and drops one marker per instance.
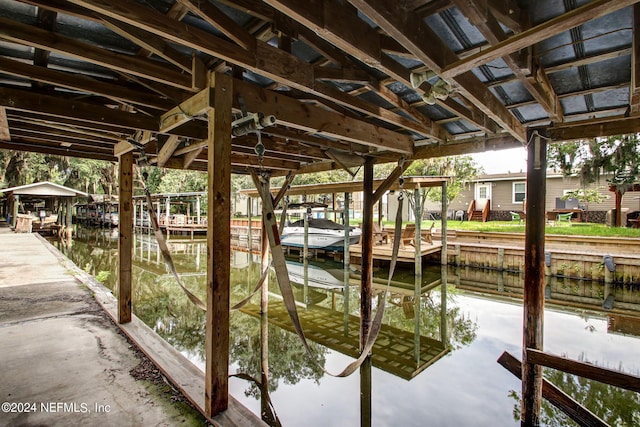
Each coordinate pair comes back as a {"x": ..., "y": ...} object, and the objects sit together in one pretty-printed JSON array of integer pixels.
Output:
[{"x": 63, "y": 362}]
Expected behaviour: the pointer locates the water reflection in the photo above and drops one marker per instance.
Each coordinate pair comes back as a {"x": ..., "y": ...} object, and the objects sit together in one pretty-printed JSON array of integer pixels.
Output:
[{"x": 423, "y": 324}]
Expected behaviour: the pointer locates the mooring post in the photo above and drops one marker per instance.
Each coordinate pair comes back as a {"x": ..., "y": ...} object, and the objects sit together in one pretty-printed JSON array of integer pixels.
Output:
[
  {"x": 218, "y": 246},
  {"x": 125, "y": 239},
  {"x": 533, "y": 318},
  {"x": 366, "y": 288}
]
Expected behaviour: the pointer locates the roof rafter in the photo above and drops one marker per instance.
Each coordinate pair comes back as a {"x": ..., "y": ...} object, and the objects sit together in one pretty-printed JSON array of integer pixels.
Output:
[
  {"x": 589, "y": 11},
  {"x": 267, "y": 60},
  {"x": 421, "y": 40}
]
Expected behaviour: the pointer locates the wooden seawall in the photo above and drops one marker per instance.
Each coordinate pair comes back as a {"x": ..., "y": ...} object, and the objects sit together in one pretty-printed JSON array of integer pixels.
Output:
[{"x": 568, "y": 256}]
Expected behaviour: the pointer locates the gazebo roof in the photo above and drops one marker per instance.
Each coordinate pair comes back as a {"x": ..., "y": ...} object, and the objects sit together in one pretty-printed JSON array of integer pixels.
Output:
[{"x": 43, "y": 189}]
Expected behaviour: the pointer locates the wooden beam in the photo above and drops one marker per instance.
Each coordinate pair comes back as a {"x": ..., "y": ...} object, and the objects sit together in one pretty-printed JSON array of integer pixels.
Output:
[
  {"x": 82, "y": 83},
  {"x": 587, "y": 12},
  {"x": 555, "y": 396},
  {"x": 290, "y": 112},
  {"x": 24, "y": 100},
  {"x": 5, "y": 135},
  {"x": 35, "y": 37},
  {"x": 428, "y": 47},
  {"x": 340, "y": 26},
  {"x": 594, "y": 128},
  {"x": 266, "y": 60},
  {"x": 24, "y": 144},
  {"x": 125, "y": 239},
  {"x": 219, "y": 247},
  {"x": 150, "y": 42},
  {"x": 218, "y": 19},
  {"x": 186, "y": 110},
  {"x": 537, "y": 82},
  {"x": 390, "y": 181},
  {"x": 189, "y": 157},
  {"x": 167, "y": 149},
  {"x": 585, "y": 370},
  {"x": 124, "y": 146},
  {"x": 533, "y": 300},
  {"x": 34, "y": 121}
]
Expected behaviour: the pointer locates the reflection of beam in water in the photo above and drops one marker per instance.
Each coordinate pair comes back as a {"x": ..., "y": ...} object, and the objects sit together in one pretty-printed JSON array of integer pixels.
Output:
[{"x": 391, "y": 353}]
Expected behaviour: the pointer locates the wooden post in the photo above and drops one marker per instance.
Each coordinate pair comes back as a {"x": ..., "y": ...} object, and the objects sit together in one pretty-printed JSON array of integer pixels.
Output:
[
  {"x": 367, "y": 252},
  {"x": 618, "y": 218},
  {"x": 443, "y": 227},
  {"x": 444, "y": 268},
  {"x": 264, "y": 260},
  {"x": 16, "y": 209},
  {"x": 218, "y": 247},
  {"x": 533, "y": 319},
  {"x": 69, "y": 220},
  {"x": 366, "y": 288},
  {"x": 125, "y": 240},
  {"x": 417, "y": 284},
  {"x": 249, "y": 226},
  {"x": 346, "y": 261}
]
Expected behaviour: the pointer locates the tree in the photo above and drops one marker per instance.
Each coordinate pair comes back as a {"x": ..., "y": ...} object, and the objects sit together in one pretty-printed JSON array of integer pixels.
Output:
[{"x": 616, "y": 157}]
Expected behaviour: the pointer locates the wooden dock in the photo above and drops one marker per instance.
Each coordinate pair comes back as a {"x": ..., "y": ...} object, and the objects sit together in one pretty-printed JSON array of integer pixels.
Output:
[{"x": 405, "y": 254}]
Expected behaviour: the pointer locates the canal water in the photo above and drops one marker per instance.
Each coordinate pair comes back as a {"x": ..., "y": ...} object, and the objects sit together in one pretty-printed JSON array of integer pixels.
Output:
[{"x": 434, "y": 362}]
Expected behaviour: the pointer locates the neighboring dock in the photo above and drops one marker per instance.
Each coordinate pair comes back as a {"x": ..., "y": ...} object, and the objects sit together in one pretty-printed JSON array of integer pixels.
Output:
[{"x": 65, "y": 362}]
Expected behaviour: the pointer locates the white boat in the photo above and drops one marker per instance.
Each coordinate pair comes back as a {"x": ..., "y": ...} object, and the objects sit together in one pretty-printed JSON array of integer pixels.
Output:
[
  {"x": 322, "y": 234},
  {"x": 317, "y": 277}
]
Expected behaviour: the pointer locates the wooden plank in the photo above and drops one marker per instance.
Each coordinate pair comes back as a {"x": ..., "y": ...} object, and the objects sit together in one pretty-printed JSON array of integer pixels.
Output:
[
  {"x": 190, "y": 157},
  {"x": 585, "y": 370},
  {"x": 555, "y": 396},
  {"x": 219, "y": 249},
  {"x": 533, "y": 298},
  {"x": 125, "y": 240},
  {"x": 19, "y": 144}
]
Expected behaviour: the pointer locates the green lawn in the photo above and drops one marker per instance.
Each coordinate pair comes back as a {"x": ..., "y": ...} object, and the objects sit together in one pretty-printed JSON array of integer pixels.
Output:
[{"x": 575, "y": 229}]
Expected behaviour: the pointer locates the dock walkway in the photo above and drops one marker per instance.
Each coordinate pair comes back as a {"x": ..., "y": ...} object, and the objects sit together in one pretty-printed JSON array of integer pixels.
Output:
[{"x": 64, "y": 363}]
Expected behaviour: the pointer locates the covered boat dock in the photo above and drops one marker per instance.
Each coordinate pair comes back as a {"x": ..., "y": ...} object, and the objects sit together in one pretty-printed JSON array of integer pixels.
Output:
[{"x": 287, "y": 87}]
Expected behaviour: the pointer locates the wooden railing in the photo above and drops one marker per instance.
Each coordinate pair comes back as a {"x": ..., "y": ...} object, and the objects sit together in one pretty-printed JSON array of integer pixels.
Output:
[
  {"x": 486, "y": 211},
  {"x": 472, "y": 207}
]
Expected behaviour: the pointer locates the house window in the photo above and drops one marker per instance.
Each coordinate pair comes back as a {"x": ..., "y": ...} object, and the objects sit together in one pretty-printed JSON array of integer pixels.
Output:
[
  {"x": 519, "y": 192},
  {"x": 482, "y": 192}
]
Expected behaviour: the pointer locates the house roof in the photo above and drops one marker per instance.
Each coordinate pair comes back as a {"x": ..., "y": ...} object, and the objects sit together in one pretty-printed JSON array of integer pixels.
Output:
[
  {"x": 44, "y": 189},
  {"x": 410, "y": 78}
]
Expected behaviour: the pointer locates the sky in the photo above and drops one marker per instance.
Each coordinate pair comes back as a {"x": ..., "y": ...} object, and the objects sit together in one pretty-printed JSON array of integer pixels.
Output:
[{"x": 503, "y": 161}]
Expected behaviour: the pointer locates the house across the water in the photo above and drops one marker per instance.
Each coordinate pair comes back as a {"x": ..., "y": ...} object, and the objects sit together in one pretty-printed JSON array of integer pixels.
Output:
[{"x": 495, "y": 197}]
